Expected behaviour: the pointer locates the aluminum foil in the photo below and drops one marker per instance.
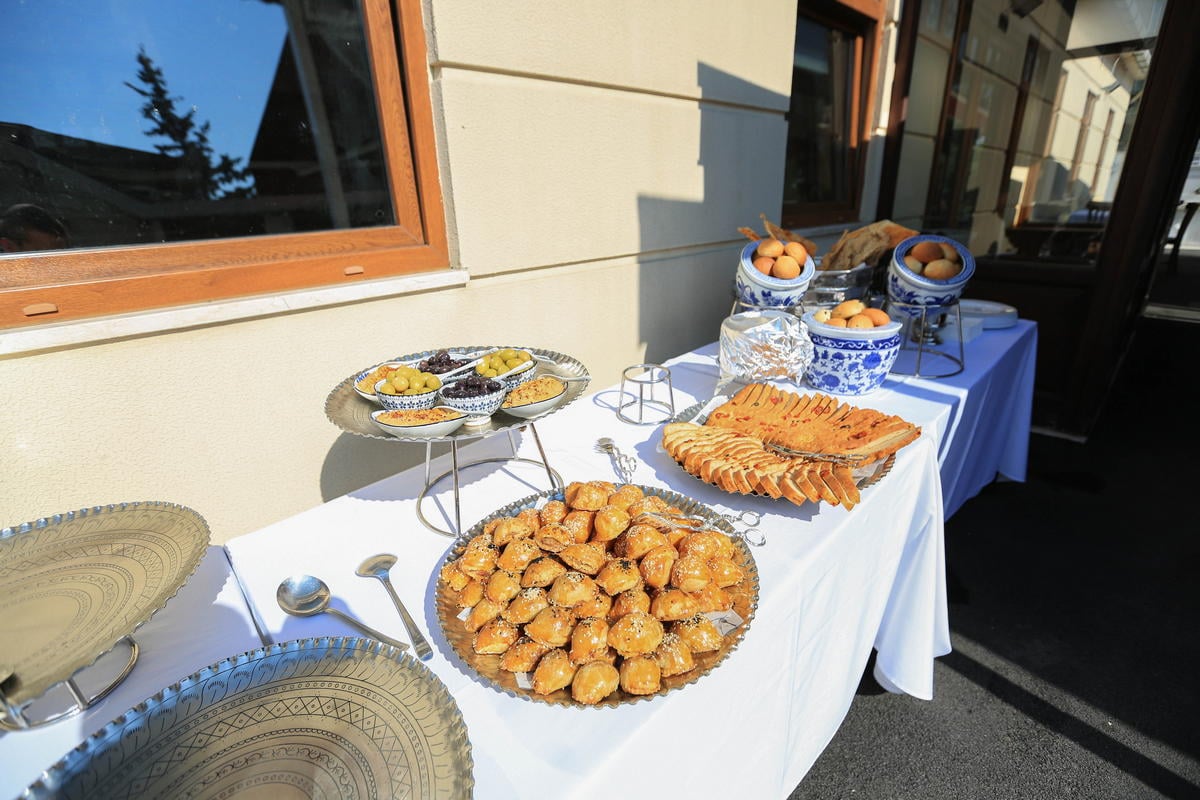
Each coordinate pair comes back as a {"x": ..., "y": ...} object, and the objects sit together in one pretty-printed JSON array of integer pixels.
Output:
[{"x": 760, "y": 345}]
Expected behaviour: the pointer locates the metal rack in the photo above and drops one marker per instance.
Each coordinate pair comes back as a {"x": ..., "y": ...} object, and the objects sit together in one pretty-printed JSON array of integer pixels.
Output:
[{"x": 922, "y": 336}]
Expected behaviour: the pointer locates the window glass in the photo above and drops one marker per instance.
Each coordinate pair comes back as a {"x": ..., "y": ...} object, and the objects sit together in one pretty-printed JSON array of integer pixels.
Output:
[{"x": 146, "y": 121}]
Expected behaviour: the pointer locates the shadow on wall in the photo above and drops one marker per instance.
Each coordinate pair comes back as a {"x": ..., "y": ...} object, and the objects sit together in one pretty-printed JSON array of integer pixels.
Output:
[{"x": 690, "y": 247}]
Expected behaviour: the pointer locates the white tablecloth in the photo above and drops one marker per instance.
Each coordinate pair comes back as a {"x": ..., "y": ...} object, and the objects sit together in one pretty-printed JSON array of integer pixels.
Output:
[{"x": 207, "y": 621}]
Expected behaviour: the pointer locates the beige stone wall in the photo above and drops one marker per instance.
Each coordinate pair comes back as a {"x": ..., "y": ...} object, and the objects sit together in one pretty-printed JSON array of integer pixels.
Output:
[{"x": 596, "y": 159}]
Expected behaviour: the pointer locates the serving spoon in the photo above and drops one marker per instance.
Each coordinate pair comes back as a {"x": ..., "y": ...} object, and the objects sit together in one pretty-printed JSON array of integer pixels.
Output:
[
  {"x": 305, "y": 595},
  {"x": 377, "y": 566}
]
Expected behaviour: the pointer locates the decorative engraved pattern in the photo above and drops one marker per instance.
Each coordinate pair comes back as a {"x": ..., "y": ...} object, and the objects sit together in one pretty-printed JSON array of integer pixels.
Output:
[
  {"x": 73, "y": 585},
  {"x": 325, "y": 718},
  {"x": 745, "y": 603}
]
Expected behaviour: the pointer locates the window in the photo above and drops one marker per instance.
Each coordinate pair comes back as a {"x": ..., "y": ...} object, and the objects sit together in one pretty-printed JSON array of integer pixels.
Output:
[
  {"x": 205, "y": 151},
  {"x": 828, "y": 115}
]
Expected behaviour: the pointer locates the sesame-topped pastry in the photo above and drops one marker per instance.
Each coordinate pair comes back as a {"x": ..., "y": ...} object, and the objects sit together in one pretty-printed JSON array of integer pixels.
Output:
[
  {"x": 478, "y": 561},
  {"x": 526, "y": 605},
  {"x": 712, "y": 598},
  {"x": 531, "y": 517},
  {"x": 725, "y": 572},
  {"x": 641, "y": 675},
  {"x": 690, "y": 573},
  {"x": 625, "y": 496},
  {"x": 675, "y": 535},
  {"x": 674, "y": 656},
  {"x": 585, "y": 496},
  {"x": 673, "y": 604},
  {"x": 553, "y": 511},
  {"x": 705, "y": 544},
  {"x": 552, "y": 626},
  {"x": 572, "y": 588},
  {"x": 636, "y": 541},
  {"x": 593, "y": 682},
  {"x": 482, "y": 613},
  {"x": 609, "y": 523},
  {"x": 517, "y": 554},
  {"x": 542, "y": 571},
  {"x": 554, "y": 671},
  {"x": 699, "y": 633},
  {"x": 495, "y": 637},
  {"x": 470, "y": 594},
  {"x": 455, "y": 578},
  {"x": 655, "y": 566},
  {"x": 579, "y": 523},
  {"x": 481, "y": 540},
  {"x": 618, "y": 575},
  {"x": 628, "y": 601},
  {"x": 635, "y": 634},
  {"x": 589, "y": 640},
  {"x": 523, "y": 656},
  {"x": 595, "y": 608},
  {"x": 502, "y": 586},
  {"x": 509, "y": 529},
  {"x": 553, "y": 537},
  {"x": 586, "y": 557},
  {"x": 651, "y": 502}
]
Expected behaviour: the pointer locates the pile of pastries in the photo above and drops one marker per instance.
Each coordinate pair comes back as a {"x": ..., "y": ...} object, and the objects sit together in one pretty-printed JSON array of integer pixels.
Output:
[
  {"x": 743, "y": 445},
  {"x": 610, "y": 590}
]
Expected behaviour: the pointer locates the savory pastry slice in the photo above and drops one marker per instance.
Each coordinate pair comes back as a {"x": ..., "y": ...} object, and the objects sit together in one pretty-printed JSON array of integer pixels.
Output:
[
  {"x": 517, "y": 554},
  {"x": 496, "y": 636},
  {"x": 542, "y": 571},
  {"x": 470, "y": 594},
  {"x": 589, "y": 640},
  {"x": 502, "y": 585},
  {"x": 551, "y": 626},
  {"x": 482, "y": 613},
  {"x": 609, "y": 523},
  {"x": 526, "y": 605},
  {"x": 585, "y": 496},
  {"x": 674, "y": 656},
  {"x": 553, "y": 511},
  {"x": 509, "y": 529},
  {"x": 655, "y": 566},
  {"x": 554, "y": 537},
  {"x": 587, "y": 557},
  {"x": 635, "y": 634},
  {"x": 579, "y": 523},
  {"x": 673, "y": 604},
  {"x": 523, "y": 656},
  {"x": 699, "y": 633},
  {"x": 554, "y": 671},
  {"x": 593, "y": 682},
  {"x": 628, "y": 601},
  {"x": 617, "y": 575},
  {"x": 690, "y": 573},
  {"x": 572, "y": 588},
  {"x": 636, "y": 541},
  {"x": 640, "y": 675}
]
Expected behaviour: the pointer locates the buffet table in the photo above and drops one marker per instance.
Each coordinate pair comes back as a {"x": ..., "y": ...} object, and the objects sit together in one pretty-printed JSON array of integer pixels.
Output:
[{"x": 833, "y": 585}]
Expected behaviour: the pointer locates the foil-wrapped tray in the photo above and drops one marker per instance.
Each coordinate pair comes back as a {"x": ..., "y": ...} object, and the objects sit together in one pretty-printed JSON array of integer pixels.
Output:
[
  {"x": 328, "y": 717},
  {"x": 75, "y": 584},
  {"x": 745, "y": 603},
  {"x": 352, "y": 413}
]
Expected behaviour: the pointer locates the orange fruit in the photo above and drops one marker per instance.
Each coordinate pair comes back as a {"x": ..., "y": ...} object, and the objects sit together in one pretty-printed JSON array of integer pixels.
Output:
[
  {"x": 786, "y": 268},
  {"x": 773, "y": 248},
  {"x": 877, "y": 316},
  {"x": 764, "y": 264},
  {"x": 941, "y": 269},
  {"x": 926, "y": 252},
  {"x": 836, "y": 322},
  {"x": 796, "y": 251},
  {"x": 860, "y": 321}
]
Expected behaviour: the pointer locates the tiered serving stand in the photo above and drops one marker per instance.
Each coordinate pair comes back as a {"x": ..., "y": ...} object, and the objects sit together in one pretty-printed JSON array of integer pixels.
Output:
[
  {"x": 350, "y": 412},
  {"x": 924, "y": 325}
]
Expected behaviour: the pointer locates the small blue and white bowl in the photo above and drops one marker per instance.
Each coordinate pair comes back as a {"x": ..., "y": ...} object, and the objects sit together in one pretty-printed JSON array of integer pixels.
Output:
[
  {"x": 518, "y": 375},
  {"x": 908, "y": 291},
  {"x": 480, "y": 407},
  {"x": 850, "y": 361},
  {"x": 764, "y": 291},
  {"x": 406, "y": 401}
]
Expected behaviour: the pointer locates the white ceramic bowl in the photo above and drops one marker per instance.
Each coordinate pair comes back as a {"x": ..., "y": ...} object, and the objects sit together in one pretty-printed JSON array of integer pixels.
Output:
[
  {"x": 908, "y": 291},
  {"x": 756, "y": 289},
  {"x": 530, "y": 410},
  {"x": 850, "y": 361},
  {"x": 370, "y": 395},
  {"x": 428, "y": 429},
  {"x": 405, "y": 401},
  {"x": 482, "y": 406}
]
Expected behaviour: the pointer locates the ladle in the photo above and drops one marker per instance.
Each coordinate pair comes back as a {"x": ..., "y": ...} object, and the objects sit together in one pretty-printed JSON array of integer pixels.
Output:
[
  {"x": 377, "y": 566},
  {"x": 305, "y": 595}
]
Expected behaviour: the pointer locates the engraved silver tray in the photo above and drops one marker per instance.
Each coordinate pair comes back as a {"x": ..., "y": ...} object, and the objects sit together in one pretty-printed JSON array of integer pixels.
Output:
[
  {"x": 352, "y": 413},
  {"x": 75, "y": 584},
  {"x": 745, "y": 603},
  {"x": 327, "y": 718}
]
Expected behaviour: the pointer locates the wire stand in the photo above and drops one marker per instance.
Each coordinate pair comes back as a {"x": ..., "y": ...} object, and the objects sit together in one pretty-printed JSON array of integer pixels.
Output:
[
  {"x": 923, "y": 333},
  {"x": 740, "y": 305},
  {"x": 556, "y": 481},
  {"x": 14, "y": 718}
]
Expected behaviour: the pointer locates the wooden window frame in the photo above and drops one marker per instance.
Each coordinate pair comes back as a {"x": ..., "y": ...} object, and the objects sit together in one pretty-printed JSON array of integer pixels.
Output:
[
  {"x": 65, "y": 285},
  {"x": 862, "y": 19}
]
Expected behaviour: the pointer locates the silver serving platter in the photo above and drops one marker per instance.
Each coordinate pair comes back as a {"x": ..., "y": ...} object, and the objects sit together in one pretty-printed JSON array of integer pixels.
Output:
[
  {"x": 75, "y": 584},
  {"x": 352, "y": 413},
  {"x": 487, "y": 667},
  {"x": 324, "y": 718}
]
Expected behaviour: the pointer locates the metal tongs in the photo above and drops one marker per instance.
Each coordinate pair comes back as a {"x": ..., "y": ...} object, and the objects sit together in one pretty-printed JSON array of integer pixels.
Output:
[
  {"x": 848, "y": 459},
  {"x": 748, "y": 519},
  {"x": 623, "y": 463}
]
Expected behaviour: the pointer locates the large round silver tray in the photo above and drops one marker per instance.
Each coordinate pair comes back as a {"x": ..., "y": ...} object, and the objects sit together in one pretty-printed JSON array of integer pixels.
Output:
[
  {"x": 325, "y": 718},
  {"x": 745, "y": 603},
  {"x": 350, "y": 412},
  {"x": 75, "y": 584}
]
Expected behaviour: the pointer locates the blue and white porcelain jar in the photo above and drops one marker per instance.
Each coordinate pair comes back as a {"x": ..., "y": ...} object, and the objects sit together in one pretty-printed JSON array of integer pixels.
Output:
[
  {"x": 851, "y": 361},
  {"x": 908, "y": 291},
  {"x": 764, "y": 291}
]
